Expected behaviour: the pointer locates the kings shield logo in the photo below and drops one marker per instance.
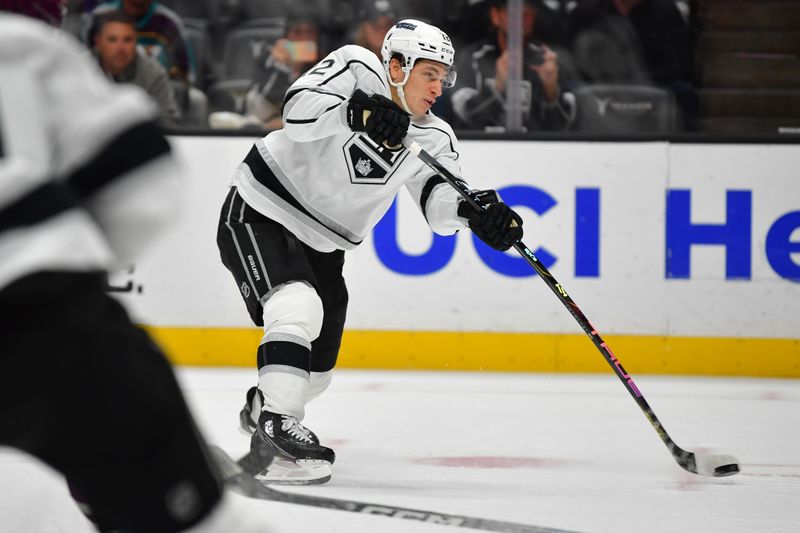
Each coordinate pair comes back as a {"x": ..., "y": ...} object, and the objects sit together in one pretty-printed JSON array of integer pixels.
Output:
[
  {"x": 369, "y": 163},
  {"x": 363, "y": 167}
]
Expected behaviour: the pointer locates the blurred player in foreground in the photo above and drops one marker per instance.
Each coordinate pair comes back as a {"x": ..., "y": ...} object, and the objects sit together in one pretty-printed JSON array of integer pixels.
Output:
[
  {"x": 86, "y": 180},
  {"x": 308, "y": 192}
]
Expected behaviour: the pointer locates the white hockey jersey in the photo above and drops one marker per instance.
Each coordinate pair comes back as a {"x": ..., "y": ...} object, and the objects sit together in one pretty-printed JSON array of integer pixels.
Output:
[
  {"x": 330, "y": 186},
  {"x": 85, "y": 177}
]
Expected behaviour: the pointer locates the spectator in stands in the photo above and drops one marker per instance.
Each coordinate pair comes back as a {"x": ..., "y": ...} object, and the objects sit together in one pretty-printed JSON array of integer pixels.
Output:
[
  {"x": 606, "y": 47},
  {"x": 480, "y": 100},
  {"x": 160, "y": 34},
  {"x": 552, "y": 22},
  {"x": 656, "y": 29},
  {"x": 634, "y": 42},
  {"x": 80, "y": 6},
  {"x": 374, "y": 20},
  {"x": 280, "y": 65},
  {"x": 75, "y": 15},
  {"x": 115, "y": 48}
]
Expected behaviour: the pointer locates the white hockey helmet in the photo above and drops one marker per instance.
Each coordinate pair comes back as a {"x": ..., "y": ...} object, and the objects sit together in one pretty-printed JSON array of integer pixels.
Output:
[{"x": 413, "y": 40}]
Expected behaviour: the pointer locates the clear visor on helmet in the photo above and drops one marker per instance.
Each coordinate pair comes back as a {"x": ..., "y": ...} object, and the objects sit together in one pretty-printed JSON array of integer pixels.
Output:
[
  {"x": 448, "y": 80},
  {"x": 450, "y": 77}
]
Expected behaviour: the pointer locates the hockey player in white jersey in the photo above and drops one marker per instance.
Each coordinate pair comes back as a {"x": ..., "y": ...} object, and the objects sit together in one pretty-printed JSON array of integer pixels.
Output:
[
  {"x": 87, "y": 180},
  {"x": 307, "y": 193}
]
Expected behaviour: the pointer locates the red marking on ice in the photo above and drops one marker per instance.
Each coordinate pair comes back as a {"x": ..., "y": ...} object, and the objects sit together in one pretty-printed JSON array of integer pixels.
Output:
[
  {"x": 688, "y": 482},
  {"x": 495, "y": 462},
  {"x": 336, "y": 443},
  {"x": 772, "y": 395}
]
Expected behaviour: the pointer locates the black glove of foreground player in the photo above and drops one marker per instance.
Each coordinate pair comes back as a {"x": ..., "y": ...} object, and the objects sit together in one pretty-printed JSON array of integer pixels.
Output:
[
  {"x": 385, "y": 122},
  {"x": 498, "y": 225}
]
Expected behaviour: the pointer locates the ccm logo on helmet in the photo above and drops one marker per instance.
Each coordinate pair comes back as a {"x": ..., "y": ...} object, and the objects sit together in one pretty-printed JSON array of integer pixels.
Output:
[{"x": 406, "y": 25}]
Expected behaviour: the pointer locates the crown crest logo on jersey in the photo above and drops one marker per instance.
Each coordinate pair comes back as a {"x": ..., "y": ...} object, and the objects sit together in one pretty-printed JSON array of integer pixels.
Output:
[
  {"x": 363, "y": 167},
  {"x": 369, "y": 163}
]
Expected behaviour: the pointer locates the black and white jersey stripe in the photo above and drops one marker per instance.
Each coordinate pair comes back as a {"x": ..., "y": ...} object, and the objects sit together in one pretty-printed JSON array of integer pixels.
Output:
[{"x": 72, "y": 145}]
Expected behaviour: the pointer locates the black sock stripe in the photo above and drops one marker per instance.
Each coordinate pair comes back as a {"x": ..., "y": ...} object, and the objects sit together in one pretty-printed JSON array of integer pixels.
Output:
[{"x": 284, "y": 353}]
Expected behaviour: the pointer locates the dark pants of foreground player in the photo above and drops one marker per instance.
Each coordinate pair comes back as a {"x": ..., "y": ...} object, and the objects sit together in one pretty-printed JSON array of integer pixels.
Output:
[{"x": 88, "y": 393}]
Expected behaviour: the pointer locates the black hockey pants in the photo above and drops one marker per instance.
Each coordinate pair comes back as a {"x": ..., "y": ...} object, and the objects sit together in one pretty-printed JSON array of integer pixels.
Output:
[{"x": 87, "y": 392}]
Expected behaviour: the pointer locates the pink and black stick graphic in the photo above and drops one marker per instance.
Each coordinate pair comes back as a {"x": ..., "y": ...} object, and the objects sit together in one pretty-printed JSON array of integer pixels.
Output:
[{"x": 705, "y": 464}]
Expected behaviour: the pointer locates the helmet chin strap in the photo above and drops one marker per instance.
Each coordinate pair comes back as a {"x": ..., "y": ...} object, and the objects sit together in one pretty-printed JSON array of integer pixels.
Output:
[{"x": 400, "y": 92}]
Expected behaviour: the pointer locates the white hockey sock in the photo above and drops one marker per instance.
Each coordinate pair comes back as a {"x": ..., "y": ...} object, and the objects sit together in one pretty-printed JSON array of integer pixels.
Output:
[
  {"x": 318, "y": 383},
  {"x": 284, "y": 390}
]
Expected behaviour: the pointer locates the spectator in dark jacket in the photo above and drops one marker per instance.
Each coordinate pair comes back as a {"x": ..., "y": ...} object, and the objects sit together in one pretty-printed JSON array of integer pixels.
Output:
[
  {"x": 640, "y": 42},
  {"x": 654, "y": 31},
  {"x": 480, "y": 100}
]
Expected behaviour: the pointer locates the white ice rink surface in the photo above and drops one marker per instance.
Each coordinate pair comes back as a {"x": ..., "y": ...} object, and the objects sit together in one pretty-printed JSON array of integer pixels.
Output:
[{"x": 570, "y": 453}]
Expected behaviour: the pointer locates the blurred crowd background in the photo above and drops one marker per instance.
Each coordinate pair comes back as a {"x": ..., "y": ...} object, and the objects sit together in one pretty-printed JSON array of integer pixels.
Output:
[{"x": 588, "y": 66}]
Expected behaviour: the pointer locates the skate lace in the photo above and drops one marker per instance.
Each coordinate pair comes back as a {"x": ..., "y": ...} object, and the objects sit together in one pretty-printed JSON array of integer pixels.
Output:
[{"x": 294, "y": 428}]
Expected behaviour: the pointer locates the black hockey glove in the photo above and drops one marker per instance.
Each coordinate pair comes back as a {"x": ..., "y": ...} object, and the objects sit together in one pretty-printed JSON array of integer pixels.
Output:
[
  {"x": 378, "y": 117},
  {"x": 498, "y": 225}
]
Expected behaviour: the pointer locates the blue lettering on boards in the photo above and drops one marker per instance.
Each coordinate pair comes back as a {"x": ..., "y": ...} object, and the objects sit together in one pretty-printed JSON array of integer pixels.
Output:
[
  {"x": 390, "y": 254},
  {"x": 587, "y": 233},
  {"x": 780, "y": 247},
  {"x": 734, "y": 234}
]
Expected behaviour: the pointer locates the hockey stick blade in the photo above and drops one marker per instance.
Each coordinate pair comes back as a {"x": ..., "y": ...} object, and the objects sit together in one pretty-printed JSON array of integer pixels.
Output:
[
  {"x": 709, "y": 465},
  {"x": 715, "y": 465},
  {"x": 243, "y": 483}
]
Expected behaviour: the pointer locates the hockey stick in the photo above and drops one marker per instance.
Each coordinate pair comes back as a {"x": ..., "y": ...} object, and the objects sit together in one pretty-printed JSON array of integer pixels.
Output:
[
  {"x": 704, "y": 465},
  {"x": 243, "y": 483}
]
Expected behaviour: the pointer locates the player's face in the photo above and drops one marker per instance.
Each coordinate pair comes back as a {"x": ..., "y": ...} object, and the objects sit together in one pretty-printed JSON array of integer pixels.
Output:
[
  {"x": 424, "y": 85},
  {"x": 116, "y": 46}
]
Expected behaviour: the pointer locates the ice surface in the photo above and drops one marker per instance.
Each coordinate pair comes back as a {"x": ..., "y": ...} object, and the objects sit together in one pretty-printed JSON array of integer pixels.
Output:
[{"x": 560, "y": 451}]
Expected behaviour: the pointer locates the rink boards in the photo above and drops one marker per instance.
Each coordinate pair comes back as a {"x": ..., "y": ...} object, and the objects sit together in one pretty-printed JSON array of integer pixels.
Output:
[{"x": 685, "y": 257}]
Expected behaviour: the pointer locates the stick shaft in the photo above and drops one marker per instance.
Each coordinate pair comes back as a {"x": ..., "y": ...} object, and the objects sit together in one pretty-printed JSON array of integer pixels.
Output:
[
  {"x": 684, "y": 458},
  {"x": 246, "y": 485}
]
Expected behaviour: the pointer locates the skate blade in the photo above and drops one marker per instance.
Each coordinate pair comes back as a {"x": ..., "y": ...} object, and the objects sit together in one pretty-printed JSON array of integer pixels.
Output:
[{"x": 303, "y": 472}]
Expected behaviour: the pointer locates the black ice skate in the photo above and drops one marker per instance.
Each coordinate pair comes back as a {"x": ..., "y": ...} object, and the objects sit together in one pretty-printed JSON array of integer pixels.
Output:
[
  {"x": 291, "y": 440},
  {"x": 296, "y": 456},
  {"x": 248, "y": 416}
]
